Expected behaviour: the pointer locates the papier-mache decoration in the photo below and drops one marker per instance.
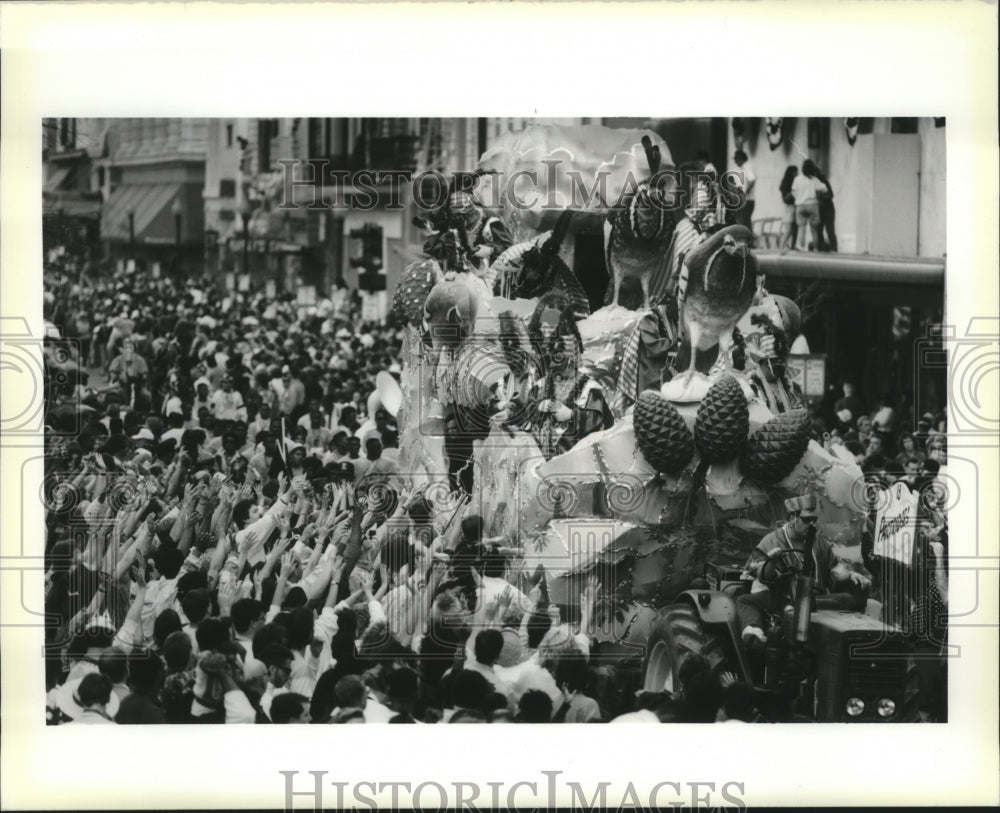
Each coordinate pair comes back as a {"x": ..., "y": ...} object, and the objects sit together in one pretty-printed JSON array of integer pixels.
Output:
[
  {"x": 723, "y": 421},
  {"x": 661, "y": 434},
  {"x": 777, "y": 447},
  {"x": 415, "y": 283},
  {"x": 549, "y": 167}
]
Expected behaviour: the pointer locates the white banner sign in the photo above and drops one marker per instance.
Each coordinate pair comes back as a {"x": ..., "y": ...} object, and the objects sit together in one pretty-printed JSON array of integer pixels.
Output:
[{"x": 896, "y": 525}]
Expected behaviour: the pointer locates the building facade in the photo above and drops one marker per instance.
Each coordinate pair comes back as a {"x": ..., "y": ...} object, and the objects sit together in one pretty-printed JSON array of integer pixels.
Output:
[
  {"x": 73, "y": 184},
  {"x": 153, "y": 180}
]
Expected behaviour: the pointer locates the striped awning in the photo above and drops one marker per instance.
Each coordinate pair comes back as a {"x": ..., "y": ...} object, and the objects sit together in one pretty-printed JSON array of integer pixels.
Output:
[
  {"x": 57, "y": 179},
  {"x": 146, "y": 201}
]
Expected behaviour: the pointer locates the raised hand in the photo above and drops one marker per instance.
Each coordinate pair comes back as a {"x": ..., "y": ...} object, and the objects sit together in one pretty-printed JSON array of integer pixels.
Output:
[
  {"x": 283, "y": 525},
  {"x": 505, "y": 598},
  {"x": 227, "y": 597},
  {"x": 287, "y": 561}
]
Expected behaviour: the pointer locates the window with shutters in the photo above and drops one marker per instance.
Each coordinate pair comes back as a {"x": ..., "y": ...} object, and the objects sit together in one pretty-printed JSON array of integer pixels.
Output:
[
  {"x": 229, "y": 135},
  {"x": 267, "y": 132}
]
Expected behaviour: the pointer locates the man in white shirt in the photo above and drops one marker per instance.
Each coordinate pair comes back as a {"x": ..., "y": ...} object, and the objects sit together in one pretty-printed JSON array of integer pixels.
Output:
[
  {"x": 203, "y": 397},
  {"x": 227, "y": 404},
  {"x": 162, "y": 588}
]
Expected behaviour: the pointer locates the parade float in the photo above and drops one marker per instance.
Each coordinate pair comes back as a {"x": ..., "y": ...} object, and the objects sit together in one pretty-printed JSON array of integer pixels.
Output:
[{"x": 694, "y": 472}]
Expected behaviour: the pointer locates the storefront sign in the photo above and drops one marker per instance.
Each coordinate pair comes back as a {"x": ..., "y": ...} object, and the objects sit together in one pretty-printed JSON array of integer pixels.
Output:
[
  {"x": 896, "y": 524},
  {"x": 808, "y": 370}
]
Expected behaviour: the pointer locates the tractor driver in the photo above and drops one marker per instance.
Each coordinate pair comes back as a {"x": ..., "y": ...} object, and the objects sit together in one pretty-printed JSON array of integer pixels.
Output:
[{"x": 769, "y": 593}]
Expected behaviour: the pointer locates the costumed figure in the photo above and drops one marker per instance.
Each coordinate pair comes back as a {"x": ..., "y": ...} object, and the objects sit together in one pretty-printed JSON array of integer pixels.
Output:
[
  {"x": 767, "y": 331},
  {"x": 567, "y": 404},
  {"x": 510, "y": 402},
  {"x": 648, "y": 354},
  {"x": 463, "y": 237}
]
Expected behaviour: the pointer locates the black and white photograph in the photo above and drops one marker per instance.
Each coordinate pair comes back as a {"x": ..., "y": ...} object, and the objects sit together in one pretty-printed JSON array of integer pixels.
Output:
[
  {"x": 493, "y": 420},
  {"x": 498, "y": 419}
]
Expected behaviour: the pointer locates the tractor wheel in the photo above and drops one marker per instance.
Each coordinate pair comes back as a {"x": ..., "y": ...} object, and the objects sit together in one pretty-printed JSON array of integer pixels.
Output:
[{"x": 677, "y": 635}]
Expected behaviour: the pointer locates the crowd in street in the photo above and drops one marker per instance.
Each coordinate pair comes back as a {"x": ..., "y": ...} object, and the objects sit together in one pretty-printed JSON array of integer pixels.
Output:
[{"x": 216, "y": 552}]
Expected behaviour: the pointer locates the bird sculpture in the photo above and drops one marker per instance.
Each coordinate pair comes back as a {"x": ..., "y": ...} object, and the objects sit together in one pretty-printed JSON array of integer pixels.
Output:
[
  {"x": 638, "y": 231},
  {"x": 717, "y": 286}
]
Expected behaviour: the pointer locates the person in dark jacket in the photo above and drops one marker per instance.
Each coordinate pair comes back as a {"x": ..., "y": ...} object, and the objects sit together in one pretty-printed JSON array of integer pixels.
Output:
[{"x": 145, "y": 677}]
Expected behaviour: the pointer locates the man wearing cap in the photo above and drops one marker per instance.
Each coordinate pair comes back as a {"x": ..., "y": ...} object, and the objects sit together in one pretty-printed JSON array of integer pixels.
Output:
[{"x": 803, "y": 516}]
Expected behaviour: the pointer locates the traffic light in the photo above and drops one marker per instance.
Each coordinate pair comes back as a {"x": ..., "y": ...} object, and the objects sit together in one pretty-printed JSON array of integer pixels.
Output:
[{"x": 900, "y": 322}]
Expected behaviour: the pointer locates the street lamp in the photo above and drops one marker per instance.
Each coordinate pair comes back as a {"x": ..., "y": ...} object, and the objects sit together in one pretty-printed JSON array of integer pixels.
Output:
[
  {"x": 176, "y": 209},
  {"x": 244, "y": 211}
]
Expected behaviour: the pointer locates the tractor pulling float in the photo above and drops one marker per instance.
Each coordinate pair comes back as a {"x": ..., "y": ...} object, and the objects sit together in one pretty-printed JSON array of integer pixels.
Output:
[{"x": 665, "y": 505}]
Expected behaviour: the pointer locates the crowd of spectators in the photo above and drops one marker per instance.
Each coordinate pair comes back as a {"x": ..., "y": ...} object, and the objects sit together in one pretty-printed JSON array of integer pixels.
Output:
[{"x": 214, "y": 556}]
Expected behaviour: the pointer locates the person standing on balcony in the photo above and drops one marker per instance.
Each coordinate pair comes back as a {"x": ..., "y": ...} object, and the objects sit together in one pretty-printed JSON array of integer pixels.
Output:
[
  {"x": 804, "y": 189},
  {"x": 827, "y": 213},
  {"x": 789, "y": 231}
]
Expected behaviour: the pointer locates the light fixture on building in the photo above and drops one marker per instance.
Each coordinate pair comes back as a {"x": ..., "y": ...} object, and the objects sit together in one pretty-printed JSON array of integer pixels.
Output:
[{"x": 176, "y": 210}]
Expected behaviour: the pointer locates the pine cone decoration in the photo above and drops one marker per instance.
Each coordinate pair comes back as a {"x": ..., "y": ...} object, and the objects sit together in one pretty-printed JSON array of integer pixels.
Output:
[
  {"x": 415, "y": 283},
  {"x": 661, "y": 434},
  {"x": 723, "y": 421},
  {"x": 777, "y": 447}
]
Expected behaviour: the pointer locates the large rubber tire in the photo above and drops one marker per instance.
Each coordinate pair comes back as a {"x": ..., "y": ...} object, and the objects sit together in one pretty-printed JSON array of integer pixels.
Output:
[{"x": 677, "y": 635}]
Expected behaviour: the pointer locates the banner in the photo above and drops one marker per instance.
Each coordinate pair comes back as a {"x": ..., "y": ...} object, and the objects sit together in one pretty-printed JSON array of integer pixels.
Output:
[{"x": 896, "y": 524}]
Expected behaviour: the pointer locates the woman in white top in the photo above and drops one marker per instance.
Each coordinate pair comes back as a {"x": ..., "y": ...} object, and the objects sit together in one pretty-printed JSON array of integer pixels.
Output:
[{"x": 804, "y": 189}]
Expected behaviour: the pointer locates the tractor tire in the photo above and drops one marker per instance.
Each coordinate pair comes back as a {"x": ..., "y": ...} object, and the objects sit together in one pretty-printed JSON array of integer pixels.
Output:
[{"x": 677, "y": 635}]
